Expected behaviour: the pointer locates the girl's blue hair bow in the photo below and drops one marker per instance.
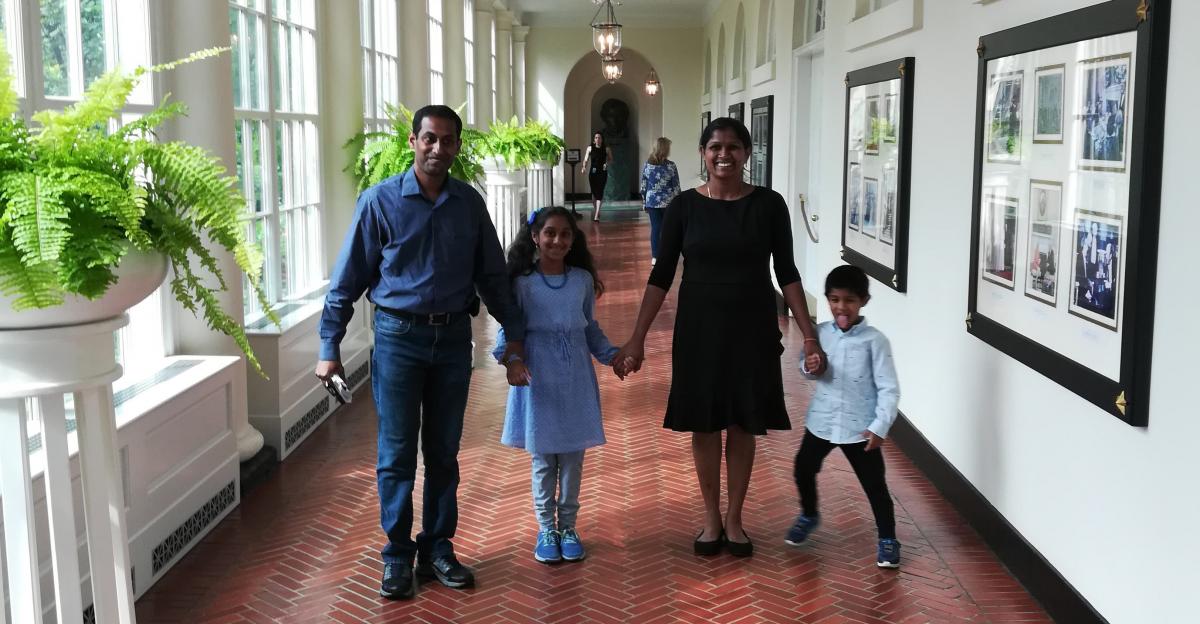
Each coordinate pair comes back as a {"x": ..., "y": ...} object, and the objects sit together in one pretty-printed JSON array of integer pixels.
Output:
[{"x": 532, "y": 216}]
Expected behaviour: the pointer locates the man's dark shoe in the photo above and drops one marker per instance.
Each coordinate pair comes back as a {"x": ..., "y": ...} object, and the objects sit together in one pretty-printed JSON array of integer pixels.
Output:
[
  {"x": 448, "y": 571},
  {"x": 397, "y": 582}
]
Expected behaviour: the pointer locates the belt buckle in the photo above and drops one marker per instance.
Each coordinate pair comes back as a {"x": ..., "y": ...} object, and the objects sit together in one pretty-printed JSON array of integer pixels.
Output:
[{"x": 439, "y": 318}]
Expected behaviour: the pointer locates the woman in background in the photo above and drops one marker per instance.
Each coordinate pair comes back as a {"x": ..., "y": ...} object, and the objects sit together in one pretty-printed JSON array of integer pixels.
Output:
[
  {"x": 595, "y": 165},
  {"x": 660, "y": 184}
]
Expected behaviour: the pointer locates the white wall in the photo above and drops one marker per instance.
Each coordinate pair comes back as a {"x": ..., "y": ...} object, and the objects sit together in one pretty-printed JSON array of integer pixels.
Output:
[
  {"x": 1112, "y": 507},
  {"x": 675, "y": 53}
]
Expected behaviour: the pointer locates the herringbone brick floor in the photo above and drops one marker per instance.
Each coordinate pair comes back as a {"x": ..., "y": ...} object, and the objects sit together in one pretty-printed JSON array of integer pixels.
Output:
[{"x": 303, "y": 547}]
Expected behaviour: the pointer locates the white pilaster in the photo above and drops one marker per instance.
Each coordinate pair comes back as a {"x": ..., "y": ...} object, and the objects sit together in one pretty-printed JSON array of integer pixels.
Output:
[
  {"x": 341, "y": 105},
  {"x": 519, "y": 34},
  {"x": 504, "y": 73},
  {"x": 413, "y": 27},
  {"x": 455, "y": 53},
  {"x": 483, "y": 64},
  {"x": 207, "y": 89}
]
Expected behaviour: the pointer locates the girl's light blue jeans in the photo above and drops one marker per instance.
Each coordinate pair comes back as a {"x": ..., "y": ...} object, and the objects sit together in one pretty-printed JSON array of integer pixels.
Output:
[{"x": 561, "y": 471}]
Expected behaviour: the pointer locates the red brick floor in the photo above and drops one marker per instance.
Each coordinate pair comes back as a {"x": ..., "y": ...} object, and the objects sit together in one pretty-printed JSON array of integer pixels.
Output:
[{"x": 303, "y": 547}]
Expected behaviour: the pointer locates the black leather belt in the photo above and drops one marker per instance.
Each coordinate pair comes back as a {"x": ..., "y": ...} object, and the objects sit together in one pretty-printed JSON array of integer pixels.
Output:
[{"x": 437, "y": 318}]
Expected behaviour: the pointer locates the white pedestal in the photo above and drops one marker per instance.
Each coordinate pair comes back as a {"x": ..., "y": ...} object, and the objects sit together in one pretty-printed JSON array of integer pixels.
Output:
[
  {"x": 39, "y": 367},
  {"x": 503, "y": 190}
]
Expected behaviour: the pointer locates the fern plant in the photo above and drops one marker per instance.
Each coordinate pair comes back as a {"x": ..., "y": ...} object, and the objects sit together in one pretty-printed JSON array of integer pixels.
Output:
[
  {"x": 381, "y": 155},
  {"x": 76, "y": 197},
  {"x": 519, "y": 146}
]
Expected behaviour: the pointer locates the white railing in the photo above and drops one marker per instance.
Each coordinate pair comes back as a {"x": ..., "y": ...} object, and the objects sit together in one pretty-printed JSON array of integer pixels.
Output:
[
  {"x": 503, "y": 190},
  {"x": 539, "y": 186}
]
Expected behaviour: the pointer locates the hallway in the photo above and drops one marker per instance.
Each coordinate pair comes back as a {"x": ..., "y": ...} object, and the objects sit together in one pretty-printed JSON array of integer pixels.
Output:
[{"x": 304, "y": 546}]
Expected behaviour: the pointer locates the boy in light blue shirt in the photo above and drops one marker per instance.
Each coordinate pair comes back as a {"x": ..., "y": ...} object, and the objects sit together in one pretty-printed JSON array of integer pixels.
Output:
[{"x": 852, "y": 408}]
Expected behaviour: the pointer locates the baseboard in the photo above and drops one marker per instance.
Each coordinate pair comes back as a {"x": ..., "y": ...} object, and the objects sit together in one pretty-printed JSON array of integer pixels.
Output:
[{"x": 1039, "y": 577}]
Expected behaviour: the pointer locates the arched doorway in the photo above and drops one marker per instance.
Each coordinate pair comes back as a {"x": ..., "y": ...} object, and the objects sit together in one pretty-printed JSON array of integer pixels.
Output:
[{"x": 630, "y": 119}]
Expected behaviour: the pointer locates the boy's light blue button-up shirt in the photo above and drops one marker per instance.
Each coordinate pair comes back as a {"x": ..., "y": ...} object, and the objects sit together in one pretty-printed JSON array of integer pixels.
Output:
[{"x": 859, "y": 390}]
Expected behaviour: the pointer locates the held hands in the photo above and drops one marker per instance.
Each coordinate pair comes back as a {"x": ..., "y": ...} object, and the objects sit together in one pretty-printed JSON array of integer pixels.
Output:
[
  {"x": 629, "y": 358},
  {"x": 518, "y": 373},
  {"x": 815, "y": 360},
  {"x": 873, "y": 441}
]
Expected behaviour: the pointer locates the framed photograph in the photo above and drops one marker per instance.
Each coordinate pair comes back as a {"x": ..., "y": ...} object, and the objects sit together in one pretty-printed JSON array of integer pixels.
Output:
[
  {"x": 870, "y": 202},
  {"x": 1045, "y": 236},
  {"x": 705, "y": 119},
  {"x": 878, "y": 145},
  {"x": 889, "y": 116},
  {"x": 887, "y": 220},
  {"x": 573, "y": 156},
  {"x": 1004, "y": 121},
  {"x": 854, "y": 197},
  {"x": 1095, "y": 267},
  {"x": 738, "y": 111},
  {"x": 1104, "y": 83},
  {"x": 762, "y": 127},
  {"x": 1048, "y": 115},
  {"x": 874, "y": 131},
  {"x": 999, "y": 246},
  {"x": 1064, "y": 226}
]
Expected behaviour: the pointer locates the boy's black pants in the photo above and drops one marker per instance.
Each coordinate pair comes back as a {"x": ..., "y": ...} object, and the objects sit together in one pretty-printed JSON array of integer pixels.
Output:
[{"x": 868, "y": 466}]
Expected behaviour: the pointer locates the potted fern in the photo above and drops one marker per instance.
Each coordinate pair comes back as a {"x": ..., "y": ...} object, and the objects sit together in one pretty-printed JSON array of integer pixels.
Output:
[
  {"x": 515, "y": 146},
  {"x": 381, "y": 155},
  {"x": 85, "y": 212}
]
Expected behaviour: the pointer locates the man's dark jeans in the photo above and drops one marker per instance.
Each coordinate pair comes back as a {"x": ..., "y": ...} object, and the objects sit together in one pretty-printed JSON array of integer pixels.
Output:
[{"x": 420, "y": 377}]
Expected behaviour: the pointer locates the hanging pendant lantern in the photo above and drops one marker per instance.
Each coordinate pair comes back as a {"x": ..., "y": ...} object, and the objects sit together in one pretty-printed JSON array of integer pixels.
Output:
[
  {"x": 606, "y": 32},
  {"x": 612, "y": 68},
  {"x": 652, "y": 84}
]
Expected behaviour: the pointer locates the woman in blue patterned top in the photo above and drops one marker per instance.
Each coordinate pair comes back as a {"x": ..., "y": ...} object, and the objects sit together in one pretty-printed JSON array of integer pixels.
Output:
[
  {"x": 660, "y": 184},
  {"x": 554, "y": 404}
]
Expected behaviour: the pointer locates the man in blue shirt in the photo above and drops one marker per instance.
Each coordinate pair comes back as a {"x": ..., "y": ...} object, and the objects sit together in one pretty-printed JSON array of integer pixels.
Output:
[{"x": 420, "y": 245}]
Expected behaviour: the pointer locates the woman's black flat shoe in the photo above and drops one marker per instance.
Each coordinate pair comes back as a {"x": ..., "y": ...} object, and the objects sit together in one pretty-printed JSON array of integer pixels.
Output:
[
  {"x": 710, "y": 548},
  {"x": 740, "y": 549}
]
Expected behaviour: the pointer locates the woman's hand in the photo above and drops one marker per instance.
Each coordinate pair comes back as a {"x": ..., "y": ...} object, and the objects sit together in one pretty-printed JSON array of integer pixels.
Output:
[
  {"x": 518, "y": 373},
  {"x": 631, "y": 356}
]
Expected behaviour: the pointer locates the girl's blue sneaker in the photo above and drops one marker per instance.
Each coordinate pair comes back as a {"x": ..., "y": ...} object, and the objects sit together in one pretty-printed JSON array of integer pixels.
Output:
[
  {"x": 889, "y": 554},
  {"x": 548, "y": 549},
  {"x": 572, "y": 548},
  {"x": 798, "y": 534}
]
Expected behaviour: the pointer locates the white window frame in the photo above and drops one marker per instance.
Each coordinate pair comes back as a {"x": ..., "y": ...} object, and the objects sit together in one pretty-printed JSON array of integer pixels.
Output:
[
  {"x": 437, "y": 54},
  {"x": 381, "y": 61},
  {"x": 493, "y": 42},
  {"x": 469, "y": 50},
  {"x": 817, "y": 19},
  {"x": 289, "y": 127}
]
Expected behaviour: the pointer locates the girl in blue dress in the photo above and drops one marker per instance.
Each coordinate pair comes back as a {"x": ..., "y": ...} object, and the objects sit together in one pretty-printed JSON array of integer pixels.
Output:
[{"x": 554, "y": 404}]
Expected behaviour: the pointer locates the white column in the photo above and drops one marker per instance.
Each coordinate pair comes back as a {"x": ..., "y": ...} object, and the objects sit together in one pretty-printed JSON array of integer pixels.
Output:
[
  {"x": 483, "y": 64},
  {"x": 20, "y": 532},
  {"x": 341, "y": 105},
  {"x": 504, "y": 78},
  {"x": 455, "y": 54},
  {"x": 519, "y": 34},
  {"x": 208, "y": 91},
  {"x": 413, "y": 27}
]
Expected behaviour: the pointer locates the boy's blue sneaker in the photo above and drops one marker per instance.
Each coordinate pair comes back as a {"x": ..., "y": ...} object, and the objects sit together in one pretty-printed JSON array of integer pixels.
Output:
[
  {"x": 889, "y": 554},
  {"x": 572, "y": 548},
  {"x": 798, "y": 534},
  {"x": 548, "y": 549}
]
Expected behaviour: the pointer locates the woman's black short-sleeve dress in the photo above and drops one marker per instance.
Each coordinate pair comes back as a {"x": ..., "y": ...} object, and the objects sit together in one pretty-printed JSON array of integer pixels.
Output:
[{"x": 725, "y": 367}]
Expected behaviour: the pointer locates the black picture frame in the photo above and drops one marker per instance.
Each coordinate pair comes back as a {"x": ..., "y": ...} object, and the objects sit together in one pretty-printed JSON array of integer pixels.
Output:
[
  {"x": 879, "y": 246},
  {"x": 1118, "y": 322},
  {"x": 705, "y": 119},
  {"x": 762, "y": 129},
  {"x": 738, "y": 111},
  {"x": 573, "y": 156}
]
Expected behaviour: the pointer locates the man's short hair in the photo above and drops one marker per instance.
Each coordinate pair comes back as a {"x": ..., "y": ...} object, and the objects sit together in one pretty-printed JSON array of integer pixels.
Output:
[
  {"x": 848, "y": 277},
  {"x": 440, "y": 111}
]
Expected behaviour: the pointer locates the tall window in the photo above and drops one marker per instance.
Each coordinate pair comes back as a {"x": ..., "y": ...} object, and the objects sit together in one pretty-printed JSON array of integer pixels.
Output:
[
  {"x": 381, "y": 62},
  {"x": 493, "y": 69},
  {"x": 278, "y": 161},
  {"x": 864, "y": 7},
  {"x": 437, "y": 94},
  {"x": 739, "y": 44},
  {"x": 469, "y": 49}
]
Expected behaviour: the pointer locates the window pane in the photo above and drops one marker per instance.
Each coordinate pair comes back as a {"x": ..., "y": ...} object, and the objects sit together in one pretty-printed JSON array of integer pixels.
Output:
[
  {"x": 92, "y": 18},
  {"x": 238, "y": 42},
  {"x": 55, "y": 64}
]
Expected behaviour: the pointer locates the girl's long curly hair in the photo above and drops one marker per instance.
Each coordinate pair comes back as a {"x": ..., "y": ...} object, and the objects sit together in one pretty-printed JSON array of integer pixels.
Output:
[{"x": 522, "y": 253}]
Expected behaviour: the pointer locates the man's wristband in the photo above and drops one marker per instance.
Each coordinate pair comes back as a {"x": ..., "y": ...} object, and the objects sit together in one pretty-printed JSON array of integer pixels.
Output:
[{"x": 512, "y": 357}]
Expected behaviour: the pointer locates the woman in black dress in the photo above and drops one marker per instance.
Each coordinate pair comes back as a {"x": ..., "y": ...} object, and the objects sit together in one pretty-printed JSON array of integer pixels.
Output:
[
  {"x": 725, "y": 368},
  {"x": 595, "y": 164}
]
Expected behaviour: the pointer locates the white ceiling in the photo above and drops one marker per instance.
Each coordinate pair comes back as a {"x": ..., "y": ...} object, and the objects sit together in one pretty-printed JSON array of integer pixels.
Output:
[{"x": 632, "y": 13}]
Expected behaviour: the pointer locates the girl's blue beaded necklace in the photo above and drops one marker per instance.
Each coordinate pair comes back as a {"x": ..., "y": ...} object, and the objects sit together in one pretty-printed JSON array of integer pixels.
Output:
[{"x": 566, "y": 270}]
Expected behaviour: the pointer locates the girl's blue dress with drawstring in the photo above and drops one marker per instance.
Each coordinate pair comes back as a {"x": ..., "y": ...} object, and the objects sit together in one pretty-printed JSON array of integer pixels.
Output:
[{"x": 559, "y": 411}]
